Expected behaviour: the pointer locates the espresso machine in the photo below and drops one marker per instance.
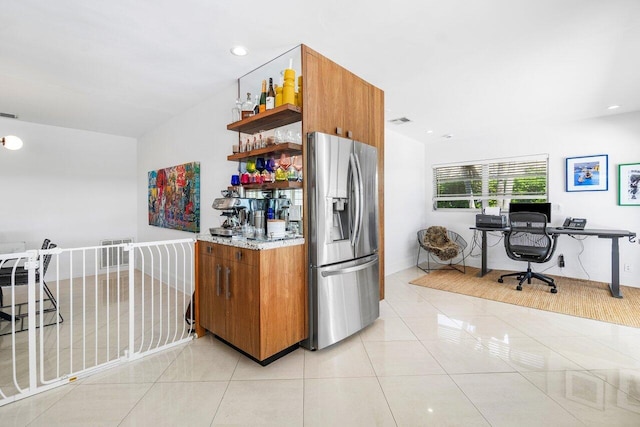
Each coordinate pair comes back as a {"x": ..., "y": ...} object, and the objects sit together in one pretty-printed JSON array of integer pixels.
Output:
[{"x": 235, "y": 210}]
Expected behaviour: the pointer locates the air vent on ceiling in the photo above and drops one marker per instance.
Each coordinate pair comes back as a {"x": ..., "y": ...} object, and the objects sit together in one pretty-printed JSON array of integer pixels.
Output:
[
  {"x": 9, "y": 115},
  {"x": 399, "y": 121}
]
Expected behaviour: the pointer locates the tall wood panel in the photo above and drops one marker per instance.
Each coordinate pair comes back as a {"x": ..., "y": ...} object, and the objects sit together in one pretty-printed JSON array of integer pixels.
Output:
[
  {"x": 377, "y": 139},
  {"x": 336, "y": 98}
]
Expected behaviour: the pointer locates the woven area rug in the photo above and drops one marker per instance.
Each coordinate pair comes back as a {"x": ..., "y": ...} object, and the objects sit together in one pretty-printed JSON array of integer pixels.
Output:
[{"x": 582, "y": 298}]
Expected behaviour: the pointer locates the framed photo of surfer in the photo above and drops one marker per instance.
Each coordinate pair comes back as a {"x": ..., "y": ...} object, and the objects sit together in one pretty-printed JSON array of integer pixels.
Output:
[
  {"x": 588, "y": 173},
  {"x": 628, "y": 182}
]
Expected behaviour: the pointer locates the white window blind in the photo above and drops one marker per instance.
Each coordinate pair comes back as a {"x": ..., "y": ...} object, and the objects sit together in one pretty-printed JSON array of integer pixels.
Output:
[{"x": 479, "y": 184}]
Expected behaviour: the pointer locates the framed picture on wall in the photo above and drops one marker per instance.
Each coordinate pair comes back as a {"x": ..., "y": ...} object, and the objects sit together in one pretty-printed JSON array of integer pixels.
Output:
[
  {"x": 174, "y": 197},
  {"x": 628, "y": 180},
  {"x": 588, "y": 173}
]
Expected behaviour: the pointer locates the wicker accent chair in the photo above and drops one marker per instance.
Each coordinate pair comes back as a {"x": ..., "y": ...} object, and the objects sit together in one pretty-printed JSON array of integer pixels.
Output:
[{"x": 443, "y": 248}]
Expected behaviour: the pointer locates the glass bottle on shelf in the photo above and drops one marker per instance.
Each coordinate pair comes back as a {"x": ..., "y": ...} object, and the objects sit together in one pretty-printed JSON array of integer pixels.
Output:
[
  {"x": 247, "y": 107},
  {"x": 236, "y": 112},
  {"x": 263, "y": 97},
  {"x": 256, "y": 108},
  {"x": 271, "y": 96}
]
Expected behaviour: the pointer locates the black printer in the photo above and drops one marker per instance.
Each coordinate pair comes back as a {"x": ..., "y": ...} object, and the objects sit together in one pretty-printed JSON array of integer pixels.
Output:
[{"x": 491, "y": 221}]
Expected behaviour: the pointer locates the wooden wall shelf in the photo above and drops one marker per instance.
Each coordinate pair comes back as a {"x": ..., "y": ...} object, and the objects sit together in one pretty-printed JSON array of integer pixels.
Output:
[
  {"x": 289, "y": 148},
  {"x": 279, "y": 116},
  {"x": 277, "y": 185}
]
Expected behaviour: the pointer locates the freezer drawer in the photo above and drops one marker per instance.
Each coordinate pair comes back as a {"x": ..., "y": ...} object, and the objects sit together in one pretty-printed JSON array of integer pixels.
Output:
[{"x": 344, "y": 299}]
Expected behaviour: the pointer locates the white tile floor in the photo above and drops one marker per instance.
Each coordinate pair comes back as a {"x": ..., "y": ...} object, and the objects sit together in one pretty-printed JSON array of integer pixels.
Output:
[{"x": 433, "y": 358}]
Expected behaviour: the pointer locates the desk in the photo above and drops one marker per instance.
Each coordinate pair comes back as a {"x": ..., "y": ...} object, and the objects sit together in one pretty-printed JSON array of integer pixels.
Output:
[{"x": 614, "y": 235}]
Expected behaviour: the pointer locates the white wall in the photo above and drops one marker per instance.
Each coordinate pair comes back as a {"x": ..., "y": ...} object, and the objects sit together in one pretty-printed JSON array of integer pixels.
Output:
[
  {"x": 405, "y": 197},
  {"x": 618, "y": 136},
  {"x": 72, "y": 186},
  {"x": 199, "y": 134}
]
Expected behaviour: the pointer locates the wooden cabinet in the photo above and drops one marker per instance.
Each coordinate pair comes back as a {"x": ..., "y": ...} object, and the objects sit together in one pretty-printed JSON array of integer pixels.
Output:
[
  {"x": 336, "y": 101},
  {"x": 336, "y": 98},
  {"x": 253, "y": 299}
]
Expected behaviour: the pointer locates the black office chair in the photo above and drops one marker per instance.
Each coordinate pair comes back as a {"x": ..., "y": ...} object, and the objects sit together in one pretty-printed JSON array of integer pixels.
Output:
[
  {"x": 444, "y": 245},
  {"x": 528, "y": 240},
  {"x": 21, "y": 278}
]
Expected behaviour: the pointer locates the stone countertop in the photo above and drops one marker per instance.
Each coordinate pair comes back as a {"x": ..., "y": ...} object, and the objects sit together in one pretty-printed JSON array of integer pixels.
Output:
[{"x": 258, "y": 245}]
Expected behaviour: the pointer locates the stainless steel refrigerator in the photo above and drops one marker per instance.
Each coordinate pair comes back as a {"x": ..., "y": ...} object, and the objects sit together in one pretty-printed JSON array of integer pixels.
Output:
[{"x": 342, "y": 201}]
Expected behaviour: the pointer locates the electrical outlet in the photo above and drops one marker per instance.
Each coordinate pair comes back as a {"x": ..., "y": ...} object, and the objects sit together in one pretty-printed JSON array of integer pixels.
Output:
[
  {"x": 627, "y": 267},
  {"x": 561, "y": 261}
]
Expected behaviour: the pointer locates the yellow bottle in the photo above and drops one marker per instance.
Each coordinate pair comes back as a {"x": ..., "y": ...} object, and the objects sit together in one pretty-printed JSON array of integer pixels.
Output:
[
  {"x": 278, "y": 96},
  {"x": 299, "y": 99}
]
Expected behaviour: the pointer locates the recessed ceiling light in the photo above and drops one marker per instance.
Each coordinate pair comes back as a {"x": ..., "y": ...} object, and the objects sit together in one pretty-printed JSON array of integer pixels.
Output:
[
  {"x": 612, "y": 107},
  {"x": 239, "y": 50},
  {"x": 429, "y": 131}
]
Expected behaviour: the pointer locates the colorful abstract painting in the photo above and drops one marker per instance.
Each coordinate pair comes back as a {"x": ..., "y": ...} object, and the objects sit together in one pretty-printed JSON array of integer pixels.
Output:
[{"x": 174, "y": 197}]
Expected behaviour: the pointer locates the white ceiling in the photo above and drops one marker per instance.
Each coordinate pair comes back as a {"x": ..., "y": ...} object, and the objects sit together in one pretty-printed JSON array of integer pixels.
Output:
[{"x": 458, "y": 67}]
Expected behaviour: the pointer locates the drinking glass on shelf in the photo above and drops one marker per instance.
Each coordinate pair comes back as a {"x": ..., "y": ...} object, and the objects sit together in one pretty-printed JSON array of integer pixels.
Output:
[
  {"x": 235, "y": 180},
  {"x": 270, "y": 168},
  {"x": 285, "y": 161},
  {"x": 291, "y": 136},
  {"x": 291, "y": 174},
  {"x": 260, "y": 165},
  {"x": 297, "y": 164},
  {"x": 281, "y": 174},
  {"x": 251, "y": 165},
  {"x": 278, "y": 136}
]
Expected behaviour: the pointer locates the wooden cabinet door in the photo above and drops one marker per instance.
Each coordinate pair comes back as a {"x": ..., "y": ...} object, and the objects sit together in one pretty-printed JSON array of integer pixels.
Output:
[
  {"x": 322, "y": 110},
  {"x": 207, "y": 286},
  {"x": 356, "y": 117},
  {"x": 243, "y": 299},
  {"x": 213, "y": 309},
  {"x": 219, "y": 308}
]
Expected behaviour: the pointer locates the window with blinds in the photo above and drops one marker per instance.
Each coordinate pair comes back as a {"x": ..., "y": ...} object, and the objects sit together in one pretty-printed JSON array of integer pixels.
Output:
[{"x": 480, "y": 184}]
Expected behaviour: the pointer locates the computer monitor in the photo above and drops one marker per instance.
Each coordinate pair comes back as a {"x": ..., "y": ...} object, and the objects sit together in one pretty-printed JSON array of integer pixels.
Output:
[{"x": 544, "y": 208}]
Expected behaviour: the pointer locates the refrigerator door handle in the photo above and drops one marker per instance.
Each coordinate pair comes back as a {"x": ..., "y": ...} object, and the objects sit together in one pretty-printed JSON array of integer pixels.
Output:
[
  {"x": 355, "y": 228},
  {"x": 350, "y": 269},
  {"x": 360, "y": 196}
]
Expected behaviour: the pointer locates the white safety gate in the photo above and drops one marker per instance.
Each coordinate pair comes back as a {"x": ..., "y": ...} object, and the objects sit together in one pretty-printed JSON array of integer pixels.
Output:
[{"x": 79, "y": 317}]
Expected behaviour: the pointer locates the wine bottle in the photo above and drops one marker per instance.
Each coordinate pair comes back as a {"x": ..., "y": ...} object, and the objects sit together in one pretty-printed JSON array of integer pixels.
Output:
[
  {"x": 247, "y": 107},
  {"x": 263, "y": 97},
  {"x": 271, "y": 96}
]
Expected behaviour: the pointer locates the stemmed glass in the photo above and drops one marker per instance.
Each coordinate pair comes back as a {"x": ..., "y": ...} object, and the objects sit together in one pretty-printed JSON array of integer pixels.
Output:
[
  {"x": 283, "y": 168},
  {"x": 251, "y": 166},
  {"x": 260, "y": 165},
  {"x": 271, "y": 167},
  {"x": 285, "y": 161}
]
